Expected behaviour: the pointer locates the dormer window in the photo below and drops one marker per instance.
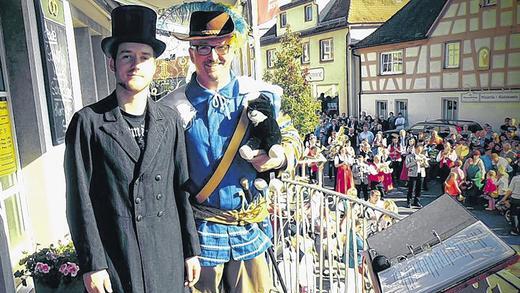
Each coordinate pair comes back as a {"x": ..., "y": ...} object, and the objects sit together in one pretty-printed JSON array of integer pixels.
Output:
[
  {"x": 308, "y": 13},
  {"x": 283, "y": 19}
]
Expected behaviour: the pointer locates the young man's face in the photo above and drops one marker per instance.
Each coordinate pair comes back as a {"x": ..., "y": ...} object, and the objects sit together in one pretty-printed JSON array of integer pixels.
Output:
[
  {"x": 134, "y": 66},
  {"x": 214, "y": 66}
]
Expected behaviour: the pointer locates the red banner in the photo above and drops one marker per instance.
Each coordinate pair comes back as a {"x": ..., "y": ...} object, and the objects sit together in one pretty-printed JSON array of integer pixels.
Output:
[{"x": 267, "y": 9}]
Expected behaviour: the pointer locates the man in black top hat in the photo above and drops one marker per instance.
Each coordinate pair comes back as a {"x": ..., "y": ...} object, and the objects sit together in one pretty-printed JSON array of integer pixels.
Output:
[{"x": 125, "y": 162}]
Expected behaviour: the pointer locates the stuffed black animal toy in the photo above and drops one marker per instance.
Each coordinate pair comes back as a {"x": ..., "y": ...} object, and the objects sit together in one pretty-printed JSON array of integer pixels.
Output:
[{"x": 265, "y": 133}]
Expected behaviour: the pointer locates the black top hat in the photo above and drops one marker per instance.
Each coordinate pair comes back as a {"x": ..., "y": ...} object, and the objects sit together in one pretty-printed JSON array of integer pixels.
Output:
[
  {"x": 132, "y": 23},
  {"x": 208, "y": 24}
]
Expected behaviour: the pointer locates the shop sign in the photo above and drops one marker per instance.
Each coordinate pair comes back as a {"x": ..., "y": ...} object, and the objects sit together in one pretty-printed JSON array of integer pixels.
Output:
[
  {"x": 316, "y": 74},
  {"x": 56, "y": 66},
  {"x": 7, "y": 151},
  {"x": 490, "y": 97}
]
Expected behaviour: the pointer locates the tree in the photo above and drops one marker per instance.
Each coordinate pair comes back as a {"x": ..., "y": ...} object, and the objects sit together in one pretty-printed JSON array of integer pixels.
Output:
[{"x": 297, "y": 99}]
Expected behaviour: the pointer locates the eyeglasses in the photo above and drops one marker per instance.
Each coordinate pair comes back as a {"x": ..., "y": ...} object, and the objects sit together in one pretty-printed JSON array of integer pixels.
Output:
[{"x": 206, "y": 49}]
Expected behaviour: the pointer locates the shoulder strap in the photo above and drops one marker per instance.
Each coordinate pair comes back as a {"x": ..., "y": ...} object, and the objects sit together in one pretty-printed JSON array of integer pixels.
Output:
[{"x": 224, "y": 164}]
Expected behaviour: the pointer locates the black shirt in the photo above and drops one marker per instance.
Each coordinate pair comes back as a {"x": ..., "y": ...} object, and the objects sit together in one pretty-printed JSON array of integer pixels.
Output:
[{"x": 138, "y": 128}]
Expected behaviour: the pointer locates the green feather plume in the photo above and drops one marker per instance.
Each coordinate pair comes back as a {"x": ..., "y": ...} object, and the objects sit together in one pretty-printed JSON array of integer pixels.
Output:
[{"x": 181, "y": 13}]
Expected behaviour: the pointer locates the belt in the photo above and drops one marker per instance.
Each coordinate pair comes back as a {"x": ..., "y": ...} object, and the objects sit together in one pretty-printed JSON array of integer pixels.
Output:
[{"x": 255, "y": 213}]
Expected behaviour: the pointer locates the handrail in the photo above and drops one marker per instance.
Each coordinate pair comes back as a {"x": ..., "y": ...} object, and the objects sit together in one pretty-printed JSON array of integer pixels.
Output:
[
  {"x": 343, "y": 196},
  {"x": 316, "y": 233}
]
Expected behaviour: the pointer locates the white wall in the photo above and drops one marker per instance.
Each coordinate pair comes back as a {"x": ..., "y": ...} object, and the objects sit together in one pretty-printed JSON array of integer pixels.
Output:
[{"x": 428, "y": 106}]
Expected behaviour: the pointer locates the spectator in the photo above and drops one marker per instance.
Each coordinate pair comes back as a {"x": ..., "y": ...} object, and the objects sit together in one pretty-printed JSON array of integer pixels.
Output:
[
  {"x": 513, "y": 192},
  {"x": 452, "y": 186},
  {"x": 360, "y": 172},
  {"x": 416, "y": 162},
  {"x": 366, "y": 134},
  {"x": 400, "y": 121},
  {"x": 342, "y": 162},
  {"x": 500, "y": 162},
  {"x": 474, "y": 170},
  {"x": 391, "y": 121},
  {"x": 508, "y": 126},
  {"x": 491, "y": 189},
  {"x": 352, "y": 137}
]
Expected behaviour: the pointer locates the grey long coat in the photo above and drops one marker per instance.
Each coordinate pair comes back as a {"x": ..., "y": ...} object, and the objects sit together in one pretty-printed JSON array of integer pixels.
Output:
[{"x": 138, "y": 226}]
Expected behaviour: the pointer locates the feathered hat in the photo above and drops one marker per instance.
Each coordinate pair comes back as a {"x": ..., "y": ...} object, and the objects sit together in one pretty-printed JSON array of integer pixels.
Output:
[{"x": 207, "y": 20}]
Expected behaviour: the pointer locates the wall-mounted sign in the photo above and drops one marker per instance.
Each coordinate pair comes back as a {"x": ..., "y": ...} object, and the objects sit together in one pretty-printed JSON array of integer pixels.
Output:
[
  {"x": 316, "y": 74},
  {"x": 57, "y": 73},
  {"x": 490, "y": 97},
  {"x": 469, "y": 98},
  {"x": 7, "y": 152}
]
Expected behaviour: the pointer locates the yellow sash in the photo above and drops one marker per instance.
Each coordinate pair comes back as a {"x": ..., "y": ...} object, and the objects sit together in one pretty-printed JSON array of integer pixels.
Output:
[{"x": 224, "y": 164}]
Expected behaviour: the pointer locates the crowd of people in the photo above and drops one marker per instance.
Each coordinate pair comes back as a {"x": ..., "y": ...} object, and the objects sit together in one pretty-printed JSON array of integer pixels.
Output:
[{"x": 475, "y": 168}]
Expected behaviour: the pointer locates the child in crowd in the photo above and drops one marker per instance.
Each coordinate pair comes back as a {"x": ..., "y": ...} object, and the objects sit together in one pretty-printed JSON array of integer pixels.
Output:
[
  {"x": 491, "y": 189},
  {"x": 360, "y": 173},
  {"x": 452, "y": 187}
]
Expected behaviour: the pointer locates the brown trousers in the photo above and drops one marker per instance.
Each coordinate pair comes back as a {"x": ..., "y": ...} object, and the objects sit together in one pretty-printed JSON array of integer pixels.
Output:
[{"x": 251, "y": 276}]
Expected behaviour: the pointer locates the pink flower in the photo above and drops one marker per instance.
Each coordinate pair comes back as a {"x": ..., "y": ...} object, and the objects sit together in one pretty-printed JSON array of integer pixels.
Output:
[
  {"x": 42, "y": 267},
  {"x": 72, "y": 268},
  {"x": 64, "y": 269}
]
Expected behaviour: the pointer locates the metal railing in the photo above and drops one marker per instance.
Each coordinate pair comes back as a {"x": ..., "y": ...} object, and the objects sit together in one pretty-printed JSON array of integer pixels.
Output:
[{"x": 318, "y": 233}]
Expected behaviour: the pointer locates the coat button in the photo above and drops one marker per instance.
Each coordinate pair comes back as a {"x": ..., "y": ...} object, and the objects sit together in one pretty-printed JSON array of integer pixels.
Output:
[
  {"x": 138, "y": 200},
  {"x": 139, "y": 218},
  {"x": 160, "y": 213},
  {"x": 158, "y": 196},
  {"x": 158, "y": 177}
]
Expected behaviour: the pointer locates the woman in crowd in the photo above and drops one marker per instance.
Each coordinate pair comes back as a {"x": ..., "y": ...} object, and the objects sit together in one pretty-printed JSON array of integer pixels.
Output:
[
  {"x": 377, "y": 175},
  {"x": 342, "y": 162},
  {"x": 435, "y": 138},
  {"x": 446, "y": 159},
  {"x": 474, "y": 170},
  {"x": 395, "y": 156}
]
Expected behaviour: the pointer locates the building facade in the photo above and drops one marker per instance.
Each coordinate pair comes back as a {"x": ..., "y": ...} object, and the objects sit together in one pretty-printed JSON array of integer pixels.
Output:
[
  {"x": 326, "y": 34},
  {"x": 457, "y": 59},
  {"x": 323, "y": 37}
]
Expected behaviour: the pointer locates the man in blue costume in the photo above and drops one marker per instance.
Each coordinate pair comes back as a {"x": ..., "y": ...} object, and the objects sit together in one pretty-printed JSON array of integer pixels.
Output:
[{"x": 211, "y": 104}]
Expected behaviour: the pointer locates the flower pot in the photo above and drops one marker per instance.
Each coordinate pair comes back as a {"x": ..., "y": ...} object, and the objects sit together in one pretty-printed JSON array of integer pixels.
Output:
[{"x": 75, "y": 286}]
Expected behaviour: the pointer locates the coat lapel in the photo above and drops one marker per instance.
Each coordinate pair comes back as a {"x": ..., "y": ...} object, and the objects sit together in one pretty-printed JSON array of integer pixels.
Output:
[
  {"x": 155, "y": 136},
  {"x": 116, "y": 127}
]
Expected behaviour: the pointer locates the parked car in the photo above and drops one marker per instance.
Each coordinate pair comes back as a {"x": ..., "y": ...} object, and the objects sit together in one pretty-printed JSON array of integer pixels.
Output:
[{"x": 443, "y": 127}]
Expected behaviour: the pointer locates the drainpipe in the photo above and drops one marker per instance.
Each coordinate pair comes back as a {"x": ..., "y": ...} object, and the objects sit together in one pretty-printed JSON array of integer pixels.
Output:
[
  {"x": 359, "y": 89},
  {"x": 347, "y": 63}
]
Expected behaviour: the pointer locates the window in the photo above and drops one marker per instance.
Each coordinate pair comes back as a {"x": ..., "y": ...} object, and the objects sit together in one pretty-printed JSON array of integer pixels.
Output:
[
  {"x": 308, "y": 13},
  {"x": 306, "y": 57},
  {"x": 483, "y": 58},
  {"x": 270, "y": 58},
  {"x": 452, "y": 55},
  {"x": 401, "y": 106},
  {"x": 449, "y": 109},
  {"x": 326, "y": 50},
  {"x": 488, "y": 3},
  {"x": 392, "y": 62},
  {"x": 283, "y": 19},
  {"x": 382, "y": 109}
]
